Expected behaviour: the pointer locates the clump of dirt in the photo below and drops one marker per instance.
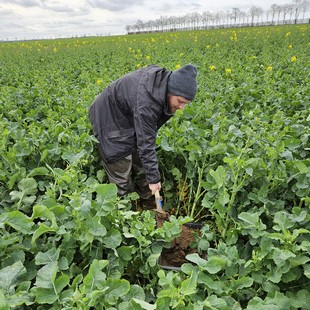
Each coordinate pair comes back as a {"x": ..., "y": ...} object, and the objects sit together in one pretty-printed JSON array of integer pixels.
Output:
[
  {"x": 174, "y": 256},
  {"x": 179, "y": 248},
  {"x": 161, "y": 218}
]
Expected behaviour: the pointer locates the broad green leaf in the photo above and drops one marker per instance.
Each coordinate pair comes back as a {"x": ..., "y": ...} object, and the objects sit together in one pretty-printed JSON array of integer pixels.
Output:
[
  {"x": 196, "y": 259},
  {"x": 252, "y": 223},
  {"x": 223, "y": 196},
  {"x": 219, "y": 176},
  {"x": 215, "y": 264},
  {"x": 20, "y": 299},
  {"x": 63, "y": 263},
  {"x": 96, "y": 278},
  {"x": 61, "y": 282},
  {"x": 213, "y": 302},
  {"x": 42, "y": 230},
  {"x": 164, "y": 144},
  {"x": 10, "y": 276},
  {"x": 27, "y": 190},
  {"x": 117, "y": 289},
  {"x": 95, "y": 227},
  {"x": 73, "y": 157},
  {"x": 153, "y": 259},
  {"x": 301, "y": 299},
  {"x": 216, "y": 285},
  {"x": 203, "y": 245},
  {"x": 242, "y": 283},
  {"x": 125, "y": 252},
  {"x": 18, "y": 220},
  {"x": 28, "y": 186},
  {"x": 219, "y": 148},
  {"x": 3, "y": 302},
  {"x": 170, "y": 293},
  {"x": 44, "y": 154},
  {"x": 45, "y": 295},
  {"x": 281, "y": 256},
  {"x": 302, "y": 167},
  {"x": 46, "y": 276},
  {"x": 144, "y": 305},
  {"x": 283, "y": 221},
  {"x": 39, "y": 171},
  {"x": 189, "y": 286},
  {"x": 163, "y": 303},
  {"x": 256, "y": 304},
  {"x": 249, "y": 171},
  {"x": 276, "y": 301},
  {"x": 41, "y": 211},
  {"x": 51, "y": 255},
  {"x": 113, "y": 240},
  {"x": 307, "y": 270},
  {"x": 106, "y": 192},
  {"x": 136, "y": 291}
]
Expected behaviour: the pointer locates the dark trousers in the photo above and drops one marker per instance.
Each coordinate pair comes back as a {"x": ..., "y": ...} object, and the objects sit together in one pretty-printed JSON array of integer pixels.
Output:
[{"x": 128, "y": 174}]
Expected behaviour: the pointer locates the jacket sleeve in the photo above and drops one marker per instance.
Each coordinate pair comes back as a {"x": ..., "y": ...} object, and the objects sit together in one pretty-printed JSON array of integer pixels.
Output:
[{"x": 146, "y": 115}]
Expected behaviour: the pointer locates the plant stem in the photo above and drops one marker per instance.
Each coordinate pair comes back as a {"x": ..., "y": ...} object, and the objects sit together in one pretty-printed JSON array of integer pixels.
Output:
[{"x": 197, "y": 195}]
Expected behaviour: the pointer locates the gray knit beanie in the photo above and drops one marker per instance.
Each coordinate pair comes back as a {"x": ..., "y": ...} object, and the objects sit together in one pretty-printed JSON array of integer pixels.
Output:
[{"x": 182, "y": 82}]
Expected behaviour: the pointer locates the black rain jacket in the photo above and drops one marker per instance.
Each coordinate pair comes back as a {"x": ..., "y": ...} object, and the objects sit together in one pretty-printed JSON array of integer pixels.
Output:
[{"x": 127, "y": 115}]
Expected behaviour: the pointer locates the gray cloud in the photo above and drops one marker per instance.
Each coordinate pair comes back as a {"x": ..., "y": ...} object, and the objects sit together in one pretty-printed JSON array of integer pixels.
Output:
[
  {"x": 62, "y": 8},
  {"x": 23, "y": 3},
  {"x": 28, "y": 19},
  {"x": 114, "y": 5}
]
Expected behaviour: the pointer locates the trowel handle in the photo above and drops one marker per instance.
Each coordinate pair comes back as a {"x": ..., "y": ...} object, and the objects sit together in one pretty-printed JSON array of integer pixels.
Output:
[{"x": 158, "y": 200}]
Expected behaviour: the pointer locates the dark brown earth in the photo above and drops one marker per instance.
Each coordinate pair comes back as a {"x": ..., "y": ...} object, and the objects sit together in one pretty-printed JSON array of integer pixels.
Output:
[{"x": 174, "y": 256}]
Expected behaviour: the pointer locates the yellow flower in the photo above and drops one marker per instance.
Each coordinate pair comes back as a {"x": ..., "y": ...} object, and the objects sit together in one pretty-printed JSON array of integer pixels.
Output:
[
  {"x": 147, "y": 57},
  {"x": 212, "y": 68},
  {"x": 228, "y": 71},
  {"x": 99, "y": 82},
  {"x": 288, "y": 34},
  {"x": 181, "y": 55},
  {"x": 293, "y": 58},
  {"x": 177, "y": 66},
  {"x": 234, "y": 37},
  {"x": 153, "y": 40},
  {"x": 138, "y": 66},
  {"x": 208, "y": 46},
  {"x": 290, "y": 46},
  {"x": 55, "y": 49},
  {"x": 269, "y": 68}
]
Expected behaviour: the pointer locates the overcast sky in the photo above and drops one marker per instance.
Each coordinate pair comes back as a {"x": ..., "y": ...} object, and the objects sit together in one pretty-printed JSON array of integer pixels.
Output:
[{"x": 38, "y": 19}]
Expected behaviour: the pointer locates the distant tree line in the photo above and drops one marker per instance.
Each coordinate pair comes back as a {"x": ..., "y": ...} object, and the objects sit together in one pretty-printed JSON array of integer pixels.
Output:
[{"x": 275, "y": 15}]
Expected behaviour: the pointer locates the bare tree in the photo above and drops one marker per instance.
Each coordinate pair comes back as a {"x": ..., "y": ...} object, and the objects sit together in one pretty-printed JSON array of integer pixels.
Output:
[
  {"x": 279, "y": 11},
  {"x": 285, "y": 10},
  {"x": 304, "y": 7},
  {"x": 224, "y": 18},
  {"x": 242, "y": 16},
  {"x": 273, "y": 9},
  {"x": 210, "y": 17},
  {"x": 204, "y": 18},
  {"x": 255, "y": 12},
  {"x": 235, "y": 14},
  {"x": 297, "y": 8},
  {"x": 195, "y": 18}
]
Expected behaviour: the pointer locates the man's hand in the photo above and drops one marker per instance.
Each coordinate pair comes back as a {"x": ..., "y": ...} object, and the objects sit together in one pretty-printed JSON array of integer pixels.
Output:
[{"x": 154, "y": 187}]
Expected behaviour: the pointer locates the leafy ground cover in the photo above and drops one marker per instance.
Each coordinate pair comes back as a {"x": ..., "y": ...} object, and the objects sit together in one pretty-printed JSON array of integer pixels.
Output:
[{"x": 236, "y": 159}]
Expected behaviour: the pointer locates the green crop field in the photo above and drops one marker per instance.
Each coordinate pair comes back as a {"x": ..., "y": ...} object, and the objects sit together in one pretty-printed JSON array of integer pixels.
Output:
[{"x": 237, "y": 160}]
